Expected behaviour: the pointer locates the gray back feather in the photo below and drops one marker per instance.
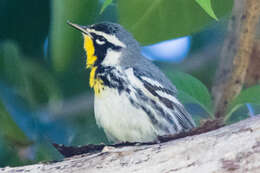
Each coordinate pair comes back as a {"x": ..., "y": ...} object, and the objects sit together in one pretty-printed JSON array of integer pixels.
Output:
[{"x": 132, "y": 57}]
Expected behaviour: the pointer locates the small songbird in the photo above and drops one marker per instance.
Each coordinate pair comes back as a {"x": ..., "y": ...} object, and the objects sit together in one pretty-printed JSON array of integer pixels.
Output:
[{"x": 134, "y": 101}]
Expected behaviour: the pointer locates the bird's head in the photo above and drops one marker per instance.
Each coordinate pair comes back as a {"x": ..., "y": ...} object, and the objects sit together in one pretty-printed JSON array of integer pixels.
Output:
[{"x": 107, "y": 44}]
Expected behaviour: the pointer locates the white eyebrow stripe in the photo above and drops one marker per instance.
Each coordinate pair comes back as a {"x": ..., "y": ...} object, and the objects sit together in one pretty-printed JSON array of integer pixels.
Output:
[{"x": 110, "y": 38}]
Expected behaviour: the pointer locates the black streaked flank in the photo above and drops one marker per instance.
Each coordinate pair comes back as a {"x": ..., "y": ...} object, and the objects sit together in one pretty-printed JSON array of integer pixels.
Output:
[
  {"x": 187, "y": 122},
  {"x": 111, "y": 78},
  {"x": 180, "y": 112},
  {"x": 114, "y": 78}
]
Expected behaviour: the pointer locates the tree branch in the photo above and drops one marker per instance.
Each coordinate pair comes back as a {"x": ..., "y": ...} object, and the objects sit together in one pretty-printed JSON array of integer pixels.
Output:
[
  {"x": 234, "y": 148},
  {"x": 236, "y": 52},
  {"x": 253, "y": 73}
]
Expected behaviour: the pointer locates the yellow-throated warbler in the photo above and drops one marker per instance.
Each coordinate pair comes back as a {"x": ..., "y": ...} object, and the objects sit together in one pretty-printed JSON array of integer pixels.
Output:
[{"x": 134, "y": 101}]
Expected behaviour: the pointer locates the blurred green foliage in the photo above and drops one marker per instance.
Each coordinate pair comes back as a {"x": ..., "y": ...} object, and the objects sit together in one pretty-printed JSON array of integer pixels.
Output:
[
  {"x": 249, "y": 95},
  {"x": 157, "y": 20},
  {"x": 191, "y": 90},
  {"x": 207, "y": 6},
  {"x": 105, "y": 5},
  {"x": 42, "y": 65},
  {"x": 28, "y": 77},
  {"x": 150, "y": 22},
  {"x": 65, "y": 42},
  {"x": 9, "y": 129}
]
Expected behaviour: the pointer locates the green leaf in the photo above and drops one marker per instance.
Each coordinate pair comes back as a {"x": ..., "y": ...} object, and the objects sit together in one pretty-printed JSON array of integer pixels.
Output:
[
  {"x": 157, "y": 20},
  {"x": 43, "y": 82},
  {"x": 207, "y": 6},
  {"x": 9, "y": 129},
  {"x": 12, "y": 63},
  {"x": 66, "y": 42},
  {"x": 240, "y": 113},
  {"x": 197, "y": 117},
  {"x": 250, "y": 95},
  {"x": 105, "y": 5},
  {"x": 192, "y": 90},
  {"x": 28, "y": 77},
  {"x": 44, "y": 151},
  {"x": 14, "y": 69}
]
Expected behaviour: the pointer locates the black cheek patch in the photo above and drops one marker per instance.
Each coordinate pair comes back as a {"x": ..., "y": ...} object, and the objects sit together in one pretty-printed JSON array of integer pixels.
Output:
[
  {"x": 100, "y": 53},
  {"x": 101, "y": 50}
]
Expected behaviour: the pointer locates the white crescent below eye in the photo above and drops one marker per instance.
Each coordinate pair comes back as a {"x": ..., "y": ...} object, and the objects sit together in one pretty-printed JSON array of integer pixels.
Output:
[{"x": 100, "y": 42}]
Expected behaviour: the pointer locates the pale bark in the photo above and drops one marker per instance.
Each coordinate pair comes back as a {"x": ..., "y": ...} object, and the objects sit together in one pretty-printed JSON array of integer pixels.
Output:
[
  {"x": 235, "y": 55},
  {"x": 234, "y": 148}
]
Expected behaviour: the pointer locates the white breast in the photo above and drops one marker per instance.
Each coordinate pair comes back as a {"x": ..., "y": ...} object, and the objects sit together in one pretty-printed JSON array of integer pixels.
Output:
[{"x": 120, "y": 119}]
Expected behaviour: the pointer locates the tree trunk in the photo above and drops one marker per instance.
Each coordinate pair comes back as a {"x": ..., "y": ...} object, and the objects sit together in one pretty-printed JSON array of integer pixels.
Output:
[
  {"x": 234, "y": 148},
  {"x": 235, "y": 55}
]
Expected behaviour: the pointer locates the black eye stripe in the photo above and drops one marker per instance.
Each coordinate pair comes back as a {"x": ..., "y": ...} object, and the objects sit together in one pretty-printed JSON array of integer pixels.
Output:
[
  {"x": 107, "y": 43},
  {"x": 99, "y": 37},
  {"x": 101, "y": 49}
]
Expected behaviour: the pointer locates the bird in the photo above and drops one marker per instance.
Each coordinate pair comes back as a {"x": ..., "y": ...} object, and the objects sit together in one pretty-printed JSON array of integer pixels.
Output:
[{"x": 133, "y": 99}]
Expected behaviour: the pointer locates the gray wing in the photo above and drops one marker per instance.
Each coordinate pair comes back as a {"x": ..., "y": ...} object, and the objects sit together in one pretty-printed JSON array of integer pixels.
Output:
[
  {"x": 147, "y": 68},
  {"x": 166, "y": 92}
]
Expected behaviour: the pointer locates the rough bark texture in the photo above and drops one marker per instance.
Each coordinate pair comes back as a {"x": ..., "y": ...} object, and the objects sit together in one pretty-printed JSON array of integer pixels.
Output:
[
  {"x": 234, "y": 148},
  {"x": 235, "y": 56},
  {"x": 253, "y": 72}
]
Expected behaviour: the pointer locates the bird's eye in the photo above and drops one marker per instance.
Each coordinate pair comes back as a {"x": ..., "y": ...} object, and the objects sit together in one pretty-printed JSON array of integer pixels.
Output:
[{"x": 100, "y": 40}]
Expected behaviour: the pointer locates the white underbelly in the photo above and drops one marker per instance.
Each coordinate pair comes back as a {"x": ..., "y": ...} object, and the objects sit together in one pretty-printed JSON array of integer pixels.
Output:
[{"x": 120, "y": 119}]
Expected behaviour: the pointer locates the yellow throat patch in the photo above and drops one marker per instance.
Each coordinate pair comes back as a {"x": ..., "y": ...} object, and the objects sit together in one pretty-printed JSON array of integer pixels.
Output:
[{"x": 94, "y": 82}]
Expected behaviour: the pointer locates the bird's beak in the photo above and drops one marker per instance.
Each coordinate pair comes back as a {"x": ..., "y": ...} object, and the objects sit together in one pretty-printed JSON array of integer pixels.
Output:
[{"x": 83, "y": 29}]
